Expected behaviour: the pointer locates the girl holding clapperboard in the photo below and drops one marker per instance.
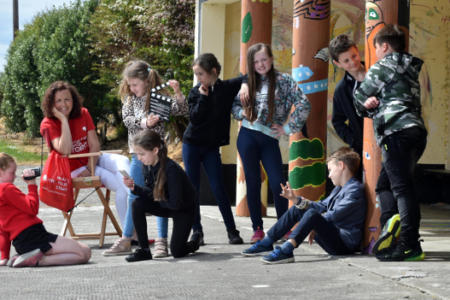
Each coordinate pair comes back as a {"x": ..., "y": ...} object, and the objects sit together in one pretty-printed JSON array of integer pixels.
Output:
[{"x": 139, "y": 81}]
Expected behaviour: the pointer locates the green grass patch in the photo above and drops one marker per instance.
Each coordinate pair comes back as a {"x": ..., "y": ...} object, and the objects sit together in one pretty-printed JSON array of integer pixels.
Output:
[{"x": 19, "y": 154}]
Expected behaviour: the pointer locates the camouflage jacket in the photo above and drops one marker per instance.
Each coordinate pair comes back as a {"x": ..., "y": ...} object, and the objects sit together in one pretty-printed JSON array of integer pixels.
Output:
[{"x": 394, "y": 81}]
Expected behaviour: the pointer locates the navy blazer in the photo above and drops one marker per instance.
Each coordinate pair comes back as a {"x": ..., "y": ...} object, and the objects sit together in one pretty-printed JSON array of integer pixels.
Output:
[{"x": 345, "y": 207}]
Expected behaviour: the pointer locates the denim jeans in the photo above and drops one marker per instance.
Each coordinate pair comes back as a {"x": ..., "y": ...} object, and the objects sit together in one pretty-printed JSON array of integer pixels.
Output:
[
  {"x": 255, "y": 147},
  {"x": 193, "y": 157},
  {"x": 395, "y": 187},
  {"x": 138, "y": 177},
  {"x": 327, "y": 234}
]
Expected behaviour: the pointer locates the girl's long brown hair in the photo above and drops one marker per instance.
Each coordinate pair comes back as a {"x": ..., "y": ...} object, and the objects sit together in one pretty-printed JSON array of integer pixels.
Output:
[
  {"x": 141, "y": 70},
  {"x": 149, "y": 140},
  {"x": 254, "y": 82}
]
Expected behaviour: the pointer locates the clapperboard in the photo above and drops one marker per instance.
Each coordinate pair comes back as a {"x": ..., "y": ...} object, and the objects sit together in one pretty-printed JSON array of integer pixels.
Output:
[{"x": 160, "y": 104}]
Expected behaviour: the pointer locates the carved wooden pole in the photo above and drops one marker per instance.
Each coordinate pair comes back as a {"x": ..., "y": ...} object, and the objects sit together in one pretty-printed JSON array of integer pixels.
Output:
[
  {"x": 311, "y": 31},
  {"x": 256, "y": 27},
  {"x": 378, "y": 13}
]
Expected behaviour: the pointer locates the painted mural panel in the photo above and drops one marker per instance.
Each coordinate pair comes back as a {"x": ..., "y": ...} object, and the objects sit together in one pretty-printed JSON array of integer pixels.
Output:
[{"x": 429, "y": 40}]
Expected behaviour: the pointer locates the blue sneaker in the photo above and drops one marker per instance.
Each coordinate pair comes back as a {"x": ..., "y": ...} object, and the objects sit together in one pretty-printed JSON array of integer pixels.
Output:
[
  {"x": 278, "y": 257},
  {"x": 256, "y": 249}
]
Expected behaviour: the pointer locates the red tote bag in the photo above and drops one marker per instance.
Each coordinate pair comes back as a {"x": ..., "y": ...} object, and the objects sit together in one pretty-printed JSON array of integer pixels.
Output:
[{"x": 56, "y": 183}]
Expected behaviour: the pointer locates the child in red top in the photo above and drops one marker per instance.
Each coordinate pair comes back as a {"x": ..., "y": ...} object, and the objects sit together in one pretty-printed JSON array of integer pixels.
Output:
[{"x": 20, "y": 225}]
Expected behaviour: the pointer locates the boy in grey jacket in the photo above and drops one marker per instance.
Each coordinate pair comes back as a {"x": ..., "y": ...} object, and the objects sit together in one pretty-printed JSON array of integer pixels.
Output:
[
  {"x": 390, "y": 95},
  {"x": 335, "y": 222}
]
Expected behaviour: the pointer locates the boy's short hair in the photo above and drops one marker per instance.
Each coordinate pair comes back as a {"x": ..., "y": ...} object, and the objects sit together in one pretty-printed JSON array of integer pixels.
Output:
[
  {"x": 393, "y": 36},
  {"x": 5, "y": 161},
  {"x": 339, "y": 45},
  {"x": 348, "y": 156}
]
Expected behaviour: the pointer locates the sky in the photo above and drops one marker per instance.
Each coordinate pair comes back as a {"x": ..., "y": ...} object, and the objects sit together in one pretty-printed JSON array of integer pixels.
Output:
[{"x": 27, "y": 10}]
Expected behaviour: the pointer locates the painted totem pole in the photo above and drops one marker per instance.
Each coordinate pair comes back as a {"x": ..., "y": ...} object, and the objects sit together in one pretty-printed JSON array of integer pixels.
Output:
[
  {"x": 311, "y": 31},
  {"x": 256, "y": 27},
  {"x": 378, "y": 13}
]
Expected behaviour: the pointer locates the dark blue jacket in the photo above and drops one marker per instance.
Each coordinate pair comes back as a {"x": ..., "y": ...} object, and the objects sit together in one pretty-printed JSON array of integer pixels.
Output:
[
  {"x": 348, "y": 125},
  {"x": 209, "y": 116},
  {"x": 345, "y": 207}
]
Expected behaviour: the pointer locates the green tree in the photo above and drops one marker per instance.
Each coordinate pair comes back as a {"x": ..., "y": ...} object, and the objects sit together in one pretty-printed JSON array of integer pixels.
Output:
[{"x": 55, "y": 46}]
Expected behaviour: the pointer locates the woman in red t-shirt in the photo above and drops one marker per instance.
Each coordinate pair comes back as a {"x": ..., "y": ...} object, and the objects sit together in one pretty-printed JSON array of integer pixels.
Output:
[
  {"x": 69, "y": 129},
  {"x": 20, "y": 225}
]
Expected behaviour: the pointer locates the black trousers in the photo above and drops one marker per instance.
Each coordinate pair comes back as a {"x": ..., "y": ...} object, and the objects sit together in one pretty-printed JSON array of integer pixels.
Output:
[
  {"x": 395, "y": 187},
  {"x": 182, "y": 224}
]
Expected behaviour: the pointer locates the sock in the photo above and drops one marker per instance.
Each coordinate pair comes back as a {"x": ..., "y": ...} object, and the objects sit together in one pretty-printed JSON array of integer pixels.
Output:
[
  {"x": 266, "y": 241},
  {"x": 287, "y": 247}
]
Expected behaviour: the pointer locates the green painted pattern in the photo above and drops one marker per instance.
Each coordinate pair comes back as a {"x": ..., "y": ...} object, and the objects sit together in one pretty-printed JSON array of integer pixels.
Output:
[
  {"x": 311, "y": 175},
  {"x": 247, "y": 28},
  {"x": 306, "y": 149},
  {"x": 373, "y": 15}
]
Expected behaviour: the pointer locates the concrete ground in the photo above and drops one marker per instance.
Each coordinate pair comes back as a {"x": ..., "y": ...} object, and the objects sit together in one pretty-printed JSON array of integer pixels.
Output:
[{"x": 218, "y": 271}]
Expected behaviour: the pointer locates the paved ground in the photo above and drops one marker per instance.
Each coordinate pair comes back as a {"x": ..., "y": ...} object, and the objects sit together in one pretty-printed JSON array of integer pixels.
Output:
[{"x": 218, "y": 271}]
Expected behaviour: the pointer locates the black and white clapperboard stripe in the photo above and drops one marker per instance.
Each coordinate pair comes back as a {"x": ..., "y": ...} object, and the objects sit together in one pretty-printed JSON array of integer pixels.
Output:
[{"x": 160, "y": 104}]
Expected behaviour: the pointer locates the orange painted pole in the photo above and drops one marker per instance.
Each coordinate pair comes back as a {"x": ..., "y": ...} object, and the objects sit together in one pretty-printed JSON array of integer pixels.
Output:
[
  {"x": 256, "y": 27},
  {"x": 311, "y": 31},
  {"x": 378, "y": 13}
]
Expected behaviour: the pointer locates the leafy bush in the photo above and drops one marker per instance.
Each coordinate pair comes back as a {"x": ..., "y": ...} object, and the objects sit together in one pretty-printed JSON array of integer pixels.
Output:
[
  {"x": 87, "y": 44},
  {"x": 55, "y": 46}
]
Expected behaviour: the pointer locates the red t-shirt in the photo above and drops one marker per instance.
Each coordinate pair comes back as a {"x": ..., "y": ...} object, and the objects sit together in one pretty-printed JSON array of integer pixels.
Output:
[
  {"x": 17, "y": 212},
  {"x": 79, "y": 128}
]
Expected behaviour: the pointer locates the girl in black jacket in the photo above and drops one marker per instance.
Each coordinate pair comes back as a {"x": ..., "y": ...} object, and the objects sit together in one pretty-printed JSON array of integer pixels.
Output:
[
  {"x": 167, "y": 193},
  {"x": 210, "y": 104}
]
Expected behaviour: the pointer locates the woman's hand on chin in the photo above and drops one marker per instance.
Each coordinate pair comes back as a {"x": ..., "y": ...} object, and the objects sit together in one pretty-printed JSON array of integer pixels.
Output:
[{"x": 59, "y": 115}]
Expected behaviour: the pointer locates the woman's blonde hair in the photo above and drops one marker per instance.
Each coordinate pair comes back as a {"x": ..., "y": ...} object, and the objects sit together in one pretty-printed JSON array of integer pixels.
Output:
[
  {"x": 5, "y": 161},
  {"x": 141, "y": 70}
]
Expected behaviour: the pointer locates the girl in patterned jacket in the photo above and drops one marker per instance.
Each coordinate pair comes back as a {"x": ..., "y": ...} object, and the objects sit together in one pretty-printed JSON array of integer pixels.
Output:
[
  {"x": 264, "y": 120},
  {"x": 138, "y": 79}
]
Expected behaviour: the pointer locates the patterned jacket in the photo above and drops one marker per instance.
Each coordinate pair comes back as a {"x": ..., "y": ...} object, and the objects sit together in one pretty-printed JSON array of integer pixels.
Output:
[
  {"x": 394, "y": 81},
  {"x": 287, "y": 94},
  {"x": 133, "y": 114}
]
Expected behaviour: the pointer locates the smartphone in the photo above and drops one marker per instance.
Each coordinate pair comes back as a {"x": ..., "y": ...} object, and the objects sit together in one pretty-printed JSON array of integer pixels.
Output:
[{"x": 124, "y": 173}]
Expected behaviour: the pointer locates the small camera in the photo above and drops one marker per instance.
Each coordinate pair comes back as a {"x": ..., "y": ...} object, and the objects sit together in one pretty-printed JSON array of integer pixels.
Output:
[{"x": 37, "y": 172}]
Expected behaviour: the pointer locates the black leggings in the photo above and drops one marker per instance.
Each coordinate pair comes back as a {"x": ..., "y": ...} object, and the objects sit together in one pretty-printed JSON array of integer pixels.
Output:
[{"x": 182, "y": 224}]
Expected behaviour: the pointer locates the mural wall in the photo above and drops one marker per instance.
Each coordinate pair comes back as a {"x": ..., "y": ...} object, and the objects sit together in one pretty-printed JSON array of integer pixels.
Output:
[{"x": 429, "y": 40}]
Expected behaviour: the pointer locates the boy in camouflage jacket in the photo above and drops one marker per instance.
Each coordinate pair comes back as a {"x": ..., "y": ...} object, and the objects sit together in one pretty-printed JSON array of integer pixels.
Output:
[{"x": 390, "y": 95}]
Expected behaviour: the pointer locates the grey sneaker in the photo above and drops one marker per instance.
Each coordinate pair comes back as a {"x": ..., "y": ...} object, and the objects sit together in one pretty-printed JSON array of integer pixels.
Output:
[
  {"x": 160, "y": 249},
  {"x": 121, "y": 246}
]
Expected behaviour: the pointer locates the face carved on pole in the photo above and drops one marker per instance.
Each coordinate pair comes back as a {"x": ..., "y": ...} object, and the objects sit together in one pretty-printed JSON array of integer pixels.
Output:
[{"x": 374, "y": 16}]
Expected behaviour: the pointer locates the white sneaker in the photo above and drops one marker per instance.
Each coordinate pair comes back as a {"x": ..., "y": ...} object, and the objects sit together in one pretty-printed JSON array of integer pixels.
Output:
[
  {"x": 160, "y": 249},
  {"x": 121, "y": 246}
]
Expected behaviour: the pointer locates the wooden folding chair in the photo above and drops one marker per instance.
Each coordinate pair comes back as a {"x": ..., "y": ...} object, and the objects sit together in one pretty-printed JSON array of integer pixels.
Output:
[{"x": 91, "y": 182}]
